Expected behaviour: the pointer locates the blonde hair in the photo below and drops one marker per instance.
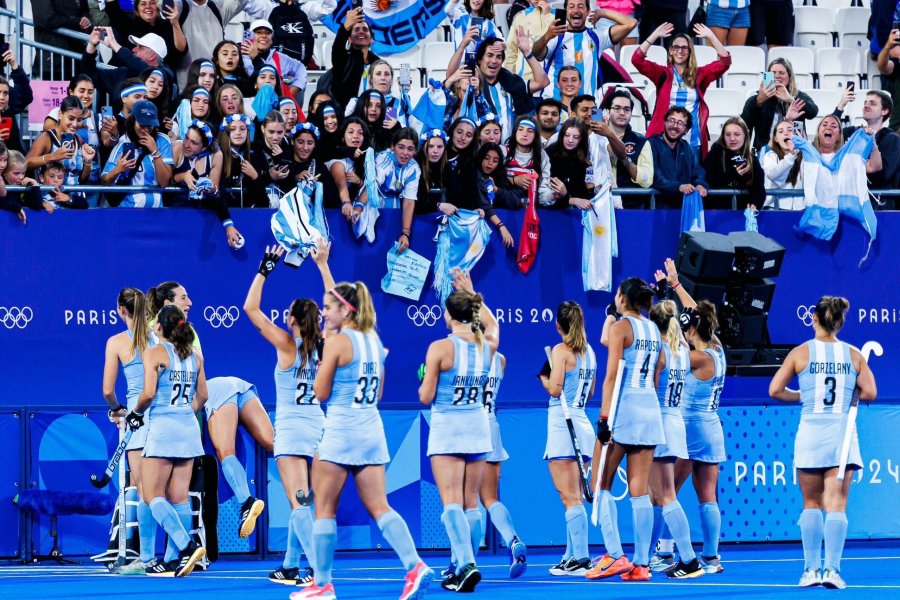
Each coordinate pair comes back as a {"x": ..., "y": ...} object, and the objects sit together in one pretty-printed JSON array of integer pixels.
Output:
[
  {"x": 665, "y": 316},
  {"x": 570, "y": 318},
  {"x": 135, "y": 304},
  {"x": 358, "y": 296}
]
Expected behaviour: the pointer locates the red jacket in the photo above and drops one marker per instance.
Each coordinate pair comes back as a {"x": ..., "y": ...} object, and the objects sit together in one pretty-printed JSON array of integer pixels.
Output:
[{"x": 662, "y": 76}]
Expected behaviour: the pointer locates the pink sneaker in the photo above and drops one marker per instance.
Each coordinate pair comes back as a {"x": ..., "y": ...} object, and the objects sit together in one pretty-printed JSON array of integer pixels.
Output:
[
  {"x": 417, "y": 582},
  {"x": 319, "y": 593}
]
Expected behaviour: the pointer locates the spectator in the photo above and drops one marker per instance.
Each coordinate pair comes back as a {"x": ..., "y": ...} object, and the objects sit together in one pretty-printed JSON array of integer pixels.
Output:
[
  {"x": 293, "y": 27},
  {"x": 881, "y": 22},
  {"x": 142, "y": 157},
  {"x": 264, "y": 93},
  {"x": 317, "y": 98},
  {"x": 304, "y": 141},
  {"x": 568, "y": 85},
  {"x": 288, "y": 108},
  {"x": 636, "y": 168},
  {"x": 14, "y": 99},
  {"x": 460, "y": 14},
  {"x": 776, "y": 102},
  {"x": 228, "y": 101},
  {"x": 229, "y": 67},
  {"x": 602, "y": 142},
  {"x": 729, "y": 20},
  {"x": 549, "y": 114},
  {"x": 432, "y": 159},
  {"x": 515, "y": 7},
  {"x": 657, "y": 12},
  {"x": 50, "y": 15},
  {"x": 889, "y": 67},
  {"x": 461, "y": 146},
  {"x": 326, "y": 118},
  {"x": 731, "y": 165},
  {"x": 148, "y": 53},
  {"x": 196, "y": 106},
  {"x": 771, "y": 23},
  {"x": 492, "y": 189},
  {"x": 371, "y": 109},
  {"x": 145, "y": 20},
  {"x": 381, "y": 79},
  {"x": 628, "y": 8},
  {"x": 676, "y": 167},
  {"x": 883, "y": 167},
  {"x": 54, "y": 173},
  {"x": 489, "y": 131},
  {"x": 82, "y": 87},
  {"x": 237, "y": 164},
  {"x": 348, "y": 171},
  {"x": 681, "y": 82},
  {"x": 572, "y": 177},
  {"x": 534, "y": 20},
  {"x": 15, "y": 173},
  {"x": 460, "y": 91},
  {"x": 829, "y": 137},
  {"x": 525, "y": 154},
  {"x": 350, "y": 55},
  {"x": 572, "y": 43},
  {"x": 781, "y": 164},
  {"x": 272, "y": 158},
  {"x": 131, "y": 92},
  {"x": 159, "y": 92},
  {"x": 259, "y": 51}
]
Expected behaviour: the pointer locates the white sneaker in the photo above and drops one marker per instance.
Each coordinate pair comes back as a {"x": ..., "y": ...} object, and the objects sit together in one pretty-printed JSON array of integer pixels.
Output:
[
  {"x": 810, "y": 578},
  {"x": 661, "y": 562},
  {"x": 133, "y": 568},
  {"x": 711, "y": 565},
  {"x": 832, "y": 579}
]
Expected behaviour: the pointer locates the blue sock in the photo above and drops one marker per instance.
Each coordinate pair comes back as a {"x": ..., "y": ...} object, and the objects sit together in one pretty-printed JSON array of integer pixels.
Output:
[
  {"x": 609, "y": 525},
  {"x": 677, "y": 522},
  {"x": 236, "y": 477},
  {"x": 502, "y": 520},
  {"x": 658, "y": 524},
  {"x": 568, "y": 553},
  {"x": 324, "y": 540},
  {"x": 576, "y": 523},
  {"x": 185, "y": 517},
  {"x": 711, "y": 523},
  {"x": 476, "y": 530},
  {"x": 395, "y": 531},
  {"x": 812, "y": 531},
  {"x": 147, "y": 531},
  {"x": 166, "y": 516},
  {"x": 642, "y": 522},
  {"x": 302, "y": 525},
  {"x": 835, "y": 536},
  {"x": 666, "y": 543},
  {"x": 454, "y": 520}
]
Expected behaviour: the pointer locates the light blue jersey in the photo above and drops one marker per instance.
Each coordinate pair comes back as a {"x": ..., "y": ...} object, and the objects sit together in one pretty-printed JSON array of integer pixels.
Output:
[
  {"x": 145, "y": 173},
  {"x": 294, "y": 385},
  {"x": 175, "y": 389},
  {"x": 462, "y": 386},
  {"x": 829, "y": 380},
  {"x": 641, "y": 356},
  {"x": 578, "y": 382},
  {"x": 492, "y": 386},
  {"x": 704, "y": 396},
  {"x": 357, "y": 383},
  {"x": 671, "y": 379},
  {"x": 134, "y": 372}
]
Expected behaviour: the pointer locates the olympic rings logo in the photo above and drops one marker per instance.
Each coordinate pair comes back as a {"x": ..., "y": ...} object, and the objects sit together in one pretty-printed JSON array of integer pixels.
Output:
[
  {"x": 805, "y": 314},
  {"x": 221, "y": 316},
  {"x": 14, "y": 317},
  {"x": 425, "y": 315}
]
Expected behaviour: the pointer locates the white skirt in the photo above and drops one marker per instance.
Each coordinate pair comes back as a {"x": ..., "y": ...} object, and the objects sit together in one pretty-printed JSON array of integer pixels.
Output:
[
  {"x": 819, "y": 441},
  {"x": 559, "y": 442}
]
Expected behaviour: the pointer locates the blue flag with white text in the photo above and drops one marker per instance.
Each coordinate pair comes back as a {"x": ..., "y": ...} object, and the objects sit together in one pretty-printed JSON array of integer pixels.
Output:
[{"x": 397, "y": 25}]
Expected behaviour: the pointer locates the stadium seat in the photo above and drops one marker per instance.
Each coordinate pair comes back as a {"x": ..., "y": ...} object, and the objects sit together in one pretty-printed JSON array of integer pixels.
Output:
[
  {"x": 851, "y": 25},
  {"x": 747, "y": 65},
  {"x": 500, "y": 11},
  {"x": 321, "y": 32},
  {"x": 325, "y": 53},
  {"x": 836, "y": 66},
  {"x": 234, "y": 32},
  {"x": 826, "y": 100},
  {"x": 705, "y": 55},
  {"x": 723, "y": 104},
  {"x": 803, "y": 62},
  {"x": 436, "y": 55},
  {"x": 413, "y": 57},
  {"x": 656, "y": 53},
  {"x": 854, "y": 110},
  {"x": 834, "y": 5},
  {"x": 813, "y": 26}
]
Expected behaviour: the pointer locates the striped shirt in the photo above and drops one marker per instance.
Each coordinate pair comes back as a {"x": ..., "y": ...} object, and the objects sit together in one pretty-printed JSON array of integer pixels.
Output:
[
  {"x": 581, "y": 49},
  {"x": 396, "y": 181},
  {"x": 145, "y": 173},
  {"x": 686, "y": 97},
  {"x": 642, "y": 355},
  {"x": 577, "y": 383},
  {"x": 829, "y": 379},
  {"x": 704, "y": 396}
]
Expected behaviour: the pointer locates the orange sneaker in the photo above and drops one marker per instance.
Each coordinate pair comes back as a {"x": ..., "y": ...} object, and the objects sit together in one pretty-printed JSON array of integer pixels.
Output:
[
  {"x": 609, "y": 566},
  {"x": 638, "y": 573}
]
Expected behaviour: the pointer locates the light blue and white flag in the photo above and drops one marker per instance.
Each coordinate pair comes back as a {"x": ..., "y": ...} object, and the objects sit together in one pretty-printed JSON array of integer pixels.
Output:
[
  {"x": 365, "y": 226},
  {"x": 836, "y": 186},
  {"x": 692, "y": 216},
  {"x": 397, "y": 25},
  {"x": 750, "y": 223},
  {"x": 600, "y": 242},
  {"x": 293, "y": 223},
  {"x": 429, "y": 112},
  {"x": 460, "y": 243}
]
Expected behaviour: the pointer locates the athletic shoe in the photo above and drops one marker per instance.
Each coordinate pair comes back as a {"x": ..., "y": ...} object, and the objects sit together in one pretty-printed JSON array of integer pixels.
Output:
[
  {"x": 638, "y": 573},
  {"x": 450, "y": 582},
  {"x": 832, "y": 580},
  {"x": 685, "y": 570},
  {"x": 560, "y": 568},
  {"x": 518, "y": 565},
  {"x": 136, "y": 567},
  {"x": 250, "y": 510},
  {"x": 468, "y": 578},
  {"x": 417, "y": 582},
  {"x": 661, "y": 562},
  {"x": 608, "y": 566},
  {"x": 306, "y": 577},
  {"x": 285, "y": 576},
  {"x": 711, "y": 565},
  {"x": 325, "y": 592},
  {"x": 158, "y": 568},
  {"x": 572, "y": 567},
  {"x": 450, "y": 570},
  {"x": 188, "y": 557},
  {"x": 810, "y": 578}
]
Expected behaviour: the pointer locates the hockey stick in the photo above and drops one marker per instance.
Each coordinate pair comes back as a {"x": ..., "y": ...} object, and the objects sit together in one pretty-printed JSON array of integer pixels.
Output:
[
  {"x": 102, "y": 482},
  {"x": 611, "y": 418},
  {"x": 122, "y": 557},
  {"x": 850, "y": 429},
  {"x": 582, "y": 466}
]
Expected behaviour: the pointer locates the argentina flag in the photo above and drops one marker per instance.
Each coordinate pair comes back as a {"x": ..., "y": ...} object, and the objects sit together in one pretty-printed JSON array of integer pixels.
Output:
[
  {"x": 365, "y": 225},
  {"x": 397, "y": 25},
  {"x": 836, "y": 187},
  {"x": 600, "y": 242},
  {"x": 294, "y": 223},
  {"x": 461, "y": 243},
  {"x": 692, "y": 216}
]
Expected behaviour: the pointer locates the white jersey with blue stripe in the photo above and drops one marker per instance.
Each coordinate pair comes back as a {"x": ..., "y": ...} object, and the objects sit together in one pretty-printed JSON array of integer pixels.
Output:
[
  {"x": 579, "y": 49},
  {"x": 642, "y": 355},
  {"x": 396, "y": 181},
  {"x": 134, "y": 371},
  {"x": 357, "y": 383},
  {"x": 671, "y": 379},
  {"x": 492, "y": 385},
  {"x": 829, "y": 379},
  {"x": 294, "y": 385},
  {"x": 145, "y": 175},
  {"x": 462, "y": 386},
  {"x": 175, "y": 389},
  {"x": 502, "y": 104},
  {"x": 578, "y": 382},
  {"x": 460, "y": 20},
  {"x": 704, "y": 396},
  {"x": 738, "y": 4}
]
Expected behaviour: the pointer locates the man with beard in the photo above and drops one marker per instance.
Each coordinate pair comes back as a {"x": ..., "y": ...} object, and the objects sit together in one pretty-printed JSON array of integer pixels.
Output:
[
  {"x": 636, "y": 169},
  {"x": 351, "y": 56},
  {"x": 549, "y": 114},
  {"x": 676, "y": 167}
]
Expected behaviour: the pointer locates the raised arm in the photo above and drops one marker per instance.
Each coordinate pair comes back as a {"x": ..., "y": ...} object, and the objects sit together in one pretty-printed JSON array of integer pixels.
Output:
[
  {"x": 672, "y": 278},
  {"x": 320, "y": 257},
  {"x": 278, "y": 337},
  {"x": 462, "y": 281}
]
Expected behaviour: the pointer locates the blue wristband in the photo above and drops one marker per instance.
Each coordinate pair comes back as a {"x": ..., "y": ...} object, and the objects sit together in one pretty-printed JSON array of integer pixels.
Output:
[{"x": 227, "y": 223}]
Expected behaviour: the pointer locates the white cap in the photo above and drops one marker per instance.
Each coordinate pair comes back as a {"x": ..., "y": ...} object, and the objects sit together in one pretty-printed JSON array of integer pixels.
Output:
[
  {"x": 152, "y": 41},
  {"x": 261, "y": 23}
]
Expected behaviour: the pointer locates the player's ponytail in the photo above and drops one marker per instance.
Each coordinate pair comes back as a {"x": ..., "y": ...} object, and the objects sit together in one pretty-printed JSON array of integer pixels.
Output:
[
  {"x": 176, "y": 330},
  {"x": 708, "y": 323},
  {"x": 157, "y": 296},
  {"x": 570, "y": 319},
  {"x": 306, "y": 313},
  {"x": 465, "y": 307},
  {"x": 830, "y": 311},
  {"x": 135, "y": 304},
  {"x": 355, "y": 297},
  {"x": 663, "y": 316},
  {"x": 637, "y": 293}
]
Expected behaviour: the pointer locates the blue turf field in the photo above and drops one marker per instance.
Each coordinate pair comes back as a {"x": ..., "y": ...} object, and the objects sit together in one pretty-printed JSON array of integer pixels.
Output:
[{"x": 872, "y": 571}]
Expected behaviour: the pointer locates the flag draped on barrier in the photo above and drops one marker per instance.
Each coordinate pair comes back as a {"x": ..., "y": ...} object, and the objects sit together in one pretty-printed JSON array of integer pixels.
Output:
[
  {"x": 692, "y": 217},
  {"x": 299, "y": 222},
  {"x": 460, "y": 243},
  {"x": 599, "y": 242}
]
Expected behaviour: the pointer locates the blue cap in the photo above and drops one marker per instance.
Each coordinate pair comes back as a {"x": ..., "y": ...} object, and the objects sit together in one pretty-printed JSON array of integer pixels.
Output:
[{"x": 144, "y": 113}]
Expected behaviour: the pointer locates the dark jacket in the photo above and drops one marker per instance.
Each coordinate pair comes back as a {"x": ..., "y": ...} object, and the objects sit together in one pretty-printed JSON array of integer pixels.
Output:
[
  {"x": 20, "y": 96},
  {"x": 56, "y": 14},
  {"x": 722, "y": 174},
  {"x": 347, "y": 66},
  {"x": 293, "y": 31},
  {"x": 672, "y": 168},
  {"x": 761, "y": 119},
  {"x": 515, "y": 86},
  {"x": 110, "y": 80},
  {"x": 126, "y": 24},
  {"x": 573, "y": 174}
]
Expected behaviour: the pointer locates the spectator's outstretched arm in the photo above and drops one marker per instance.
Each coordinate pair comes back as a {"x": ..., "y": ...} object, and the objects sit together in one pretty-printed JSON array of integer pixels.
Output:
[
  {"x": 623, "y": 23},
  {"x": 885, "y": 64},
  {"x": 20, "y": 94}
]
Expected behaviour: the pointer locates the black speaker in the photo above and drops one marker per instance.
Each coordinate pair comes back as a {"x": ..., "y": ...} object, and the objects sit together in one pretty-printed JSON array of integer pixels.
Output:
[
  {"x": 715, "y": 292},
  {"x": 755, "y": 255},
  {"x": 751, "y": 297},
  {"x": 705, "y": 255},
  {"x": 742, "y": 331}
]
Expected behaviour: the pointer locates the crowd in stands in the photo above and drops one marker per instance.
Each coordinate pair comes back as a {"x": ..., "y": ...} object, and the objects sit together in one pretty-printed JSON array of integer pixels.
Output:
[{"x": 532, "y": 117}]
